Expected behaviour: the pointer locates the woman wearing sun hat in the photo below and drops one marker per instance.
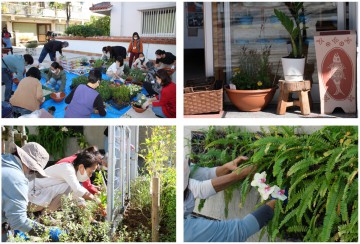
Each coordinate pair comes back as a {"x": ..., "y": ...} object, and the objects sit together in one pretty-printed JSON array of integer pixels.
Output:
[{"x": 17, "y": 168}]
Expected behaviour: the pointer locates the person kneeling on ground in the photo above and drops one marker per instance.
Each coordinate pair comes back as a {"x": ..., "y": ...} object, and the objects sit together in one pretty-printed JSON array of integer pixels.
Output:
[
  {"x": 16, "y": 170},
  {"x": 29, "y": 94},
  {"x": 140, "y": 62},
  {"x": 164, "y": 105},
  {"x": 56, "y": 77},
  {"x": 116, "y": 70},
  {"x": 84, "y": 98},
  {"x": 205, "y": 182},
  {"x": 46, "y": 193}
]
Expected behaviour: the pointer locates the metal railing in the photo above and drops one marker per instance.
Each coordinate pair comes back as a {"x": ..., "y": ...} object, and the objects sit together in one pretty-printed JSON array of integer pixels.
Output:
[
  {"x": 37, "y": 11},
  {"x": 159, "y": 22}
]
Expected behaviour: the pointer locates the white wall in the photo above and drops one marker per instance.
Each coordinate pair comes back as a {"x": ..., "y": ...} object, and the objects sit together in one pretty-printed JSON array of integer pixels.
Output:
[
  {"x": 126, "y": 16},
  {"x": 96, "y": 47}
]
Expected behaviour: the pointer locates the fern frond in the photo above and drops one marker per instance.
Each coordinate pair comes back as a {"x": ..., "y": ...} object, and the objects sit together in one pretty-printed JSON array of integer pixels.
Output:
[{"x": 330, "y": 214}]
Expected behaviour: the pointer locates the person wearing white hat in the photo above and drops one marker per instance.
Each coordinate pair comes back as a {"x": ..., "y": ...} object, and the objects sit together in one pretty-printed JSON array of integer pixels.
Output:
[
  {"x": 204, "y": 182},
  {"x": 17, "y": 167}
]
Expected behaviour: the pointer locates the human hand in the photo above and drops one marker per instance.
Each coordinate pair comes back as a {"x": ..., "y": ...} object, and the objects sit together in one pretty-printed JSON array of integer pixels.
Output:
[
  {"x": 96, "y": 111},
  {"x": 232, "y": 165},
  {"x": 54, "y": 234},
  {"x": 21, "y": 234}
]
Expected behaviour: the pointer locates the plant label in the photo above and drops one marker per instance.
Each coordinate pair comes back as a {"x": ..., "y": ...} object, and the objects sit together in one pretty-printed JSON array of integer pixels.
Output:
[{"x": 232, "y": 87}]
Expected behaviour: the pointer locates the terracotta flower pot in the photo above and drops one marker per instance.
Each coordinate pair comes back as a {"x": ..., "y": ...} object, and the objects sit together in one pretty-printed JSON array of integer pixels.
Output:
[
  {"x": 250, "y": 100},
  {"x": 138, "y": 110},
  {"x": 57, "y": 98}
]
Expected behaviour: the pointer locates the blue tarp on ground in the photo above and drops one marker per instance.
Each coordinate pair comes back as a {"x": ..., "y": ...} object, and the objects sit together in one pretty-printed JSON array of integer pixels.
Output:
[{"x": 111, "y": 112}]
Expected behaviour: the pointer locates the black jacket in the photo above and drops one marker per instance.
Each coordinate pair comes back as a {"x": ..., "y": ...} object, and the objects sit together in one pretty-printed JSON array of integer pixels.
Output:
[{"x": 53, "y": 46}]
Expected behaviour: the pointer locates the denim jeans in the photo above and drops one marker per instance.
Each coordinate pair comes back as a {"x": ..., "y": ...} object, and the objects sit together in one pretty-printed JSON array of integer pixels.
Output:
[
  {"x": 55, "y": 84},
  {"x": 18, "y": 111},
  {"x": 43, "y": 54},
  {"x": 7, "y": 80}
]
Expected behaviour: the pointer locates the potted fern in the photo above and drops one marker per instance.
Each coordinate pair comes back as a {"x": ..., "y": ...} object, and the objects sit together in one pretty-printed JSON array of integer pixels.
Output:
[{"x": 294, "y": 63}]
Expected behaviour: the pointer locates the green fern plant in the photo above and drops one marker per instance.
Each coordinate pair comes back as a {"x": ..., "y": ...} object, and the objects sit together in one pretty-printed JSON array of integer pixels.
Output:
[{"x": 320, "y": 171}]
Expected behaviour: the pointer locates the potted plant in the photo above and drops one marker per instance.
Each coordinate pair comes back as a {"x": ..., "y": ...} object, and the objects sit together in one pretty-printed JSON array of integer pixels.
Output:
[
  {"x": 134, "y": 90},
  {"x": 31, "y": 47},
  {"x": 105, "y": 91},
  {"x": 253, "y": 82},
  {"x": 92, "y": 60},
  {"x": 84, "y": 61},
  {"x": 140, "y": 104},
  {"x": 121, "y": 97},
  {"x": 294, "y": 63}
]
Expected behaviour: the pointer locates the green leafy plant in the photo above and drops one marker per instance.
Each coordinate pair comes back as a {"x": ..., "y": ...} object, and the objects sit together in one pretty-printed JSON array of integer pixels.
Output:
[
  {"x": 141, "y": 99},
  {"x": 295, "y": 26},
  {"x": 98, "y": 63},
  {"x": 32, "y": 45},
  {"x": 121, "y": 94},
  {"x": 79, "y": 80},
  {"x": 105, "y": 90},
  {"x": 137, "y": 74},
  {"x": 319, "y": 170},
  {"x": 254, "y": 70},
  {"x": 134, "y": 89}
]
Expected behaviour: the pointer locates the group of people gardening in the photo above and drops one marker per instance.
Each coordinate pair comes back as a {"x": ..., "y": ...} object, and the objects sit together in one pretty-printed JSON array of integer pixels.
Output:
[
  {"x": 28, "y": 185},
  {"x": 84, "y": 99}
]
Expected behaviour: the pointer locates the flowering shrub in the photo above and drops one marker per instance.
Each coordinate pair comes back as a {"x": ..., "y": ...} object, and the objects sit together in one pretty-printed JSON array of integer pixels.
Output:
[
  {"x": 254, "y": 70},
  {"x": 320, "y": 171}
]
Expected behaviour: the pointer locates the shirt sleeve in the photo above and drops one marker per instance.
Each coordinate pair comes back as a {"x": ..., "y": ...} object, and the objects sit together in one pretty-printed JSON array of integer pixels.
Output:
[
  {"x": 15, "y": 206},
  {"x": 201, "y": 189},
  {"x": 130, "y": 47},
  {"x": 141, "y": 47},
  {"x": 163, "y": 100},
  {"x": 202, "y": 173},
  {"x": 63, "y": 81},
  {"x": 39, "y": 92},
  {"x": 70, "y": 96},
  {"x": 99, "y": 105},
  {"x": 68, "y": 174},
  {"x": 90, "y": 187}
]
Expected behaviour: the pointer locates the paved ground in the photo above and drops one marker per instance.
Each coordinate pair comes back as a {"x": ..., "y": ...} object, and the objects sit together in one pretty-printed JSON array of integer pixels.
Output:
[
  {"x": 47, "y": 62},
  {"x": 293, "y": 112}
]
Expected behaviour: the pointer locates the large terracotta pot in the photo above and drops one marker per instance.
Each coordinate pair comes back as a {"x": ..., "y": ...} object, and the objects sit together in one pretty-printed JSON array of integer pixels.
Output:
[{"x": 250, "y": 100}]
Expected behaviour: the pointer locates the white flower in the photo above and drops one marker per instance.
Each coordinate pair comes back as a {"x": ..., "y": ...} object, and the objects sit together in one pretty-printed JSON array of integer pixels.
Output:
[
  {"x": 266, "y": 191},
  {"x": 259, "y": 179},
  {"x": 64, "y": 129},
  {"x": 278, "y": 193}
]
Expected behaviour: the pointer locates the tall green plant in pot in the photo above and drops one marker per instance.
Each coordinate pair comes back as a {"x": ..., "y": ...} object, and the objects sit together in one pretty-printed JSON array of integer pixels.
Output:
[
  {"x": 294, "y": 63},
  {"x": 253, "y": 80}
]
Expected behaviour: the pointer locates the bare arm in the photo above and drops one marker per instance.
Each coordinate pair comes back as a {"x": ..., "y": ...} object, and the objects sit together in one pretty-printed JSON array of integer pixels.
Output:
[
  {"x": 230, "y": 166},
  {"x": 222, "y": 182}
]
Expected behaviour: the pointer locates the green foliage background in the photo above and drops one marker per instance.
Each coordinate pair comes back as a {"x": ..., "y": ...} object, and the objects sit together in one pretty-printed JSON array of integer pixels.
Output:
[
  {"x": 96, "y": 27},
  {"x": 320, "y": 170}
]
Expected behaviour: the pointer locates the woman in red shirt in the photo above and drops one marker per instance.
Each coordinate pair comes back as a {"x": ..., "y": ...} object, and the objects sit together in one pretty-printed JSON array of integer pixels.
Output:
[
  {"x": 164, "y": 105},
  {"x": 135, "y": 48}
]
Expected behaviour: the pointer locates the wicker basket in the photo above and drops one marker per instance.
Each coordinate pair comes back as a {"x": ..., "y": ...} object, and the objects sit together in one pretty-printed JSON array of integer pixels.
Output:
[{"x": 203, "y": 98}]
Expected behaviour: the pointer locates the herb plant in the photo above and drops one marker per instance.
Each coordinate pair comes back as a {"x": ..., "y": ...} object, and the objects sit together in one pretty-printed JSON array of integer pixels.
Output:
[
  {"x": 254, "y": 70},
  {"x": 121, "y": 94},
  {"x": 320, "y": 171}
]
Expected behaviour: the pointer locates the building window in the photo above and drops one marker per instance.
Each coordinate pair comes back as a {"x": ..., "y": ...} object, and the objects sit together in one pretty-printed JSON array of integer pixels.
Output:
[{"x": 159, "y": 22}]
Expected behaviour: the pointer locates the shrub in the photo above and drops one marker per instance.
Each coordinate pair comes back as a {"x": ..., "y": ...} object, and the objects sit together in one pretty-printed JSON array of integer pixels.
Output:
[
  {"x": 320, "y": 170},
  {"x": 121, "y": 94},
  {"x": 84, "y": 30},
  {"x": 79, "y": 80},
  {"x": 105, "y": 90}
]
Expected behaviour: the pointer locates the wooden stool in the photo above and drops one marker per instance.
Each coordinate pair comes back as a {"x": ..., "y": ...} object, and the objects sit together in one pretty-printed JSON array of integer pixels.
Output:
[{"x": 302, "y": 88}]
